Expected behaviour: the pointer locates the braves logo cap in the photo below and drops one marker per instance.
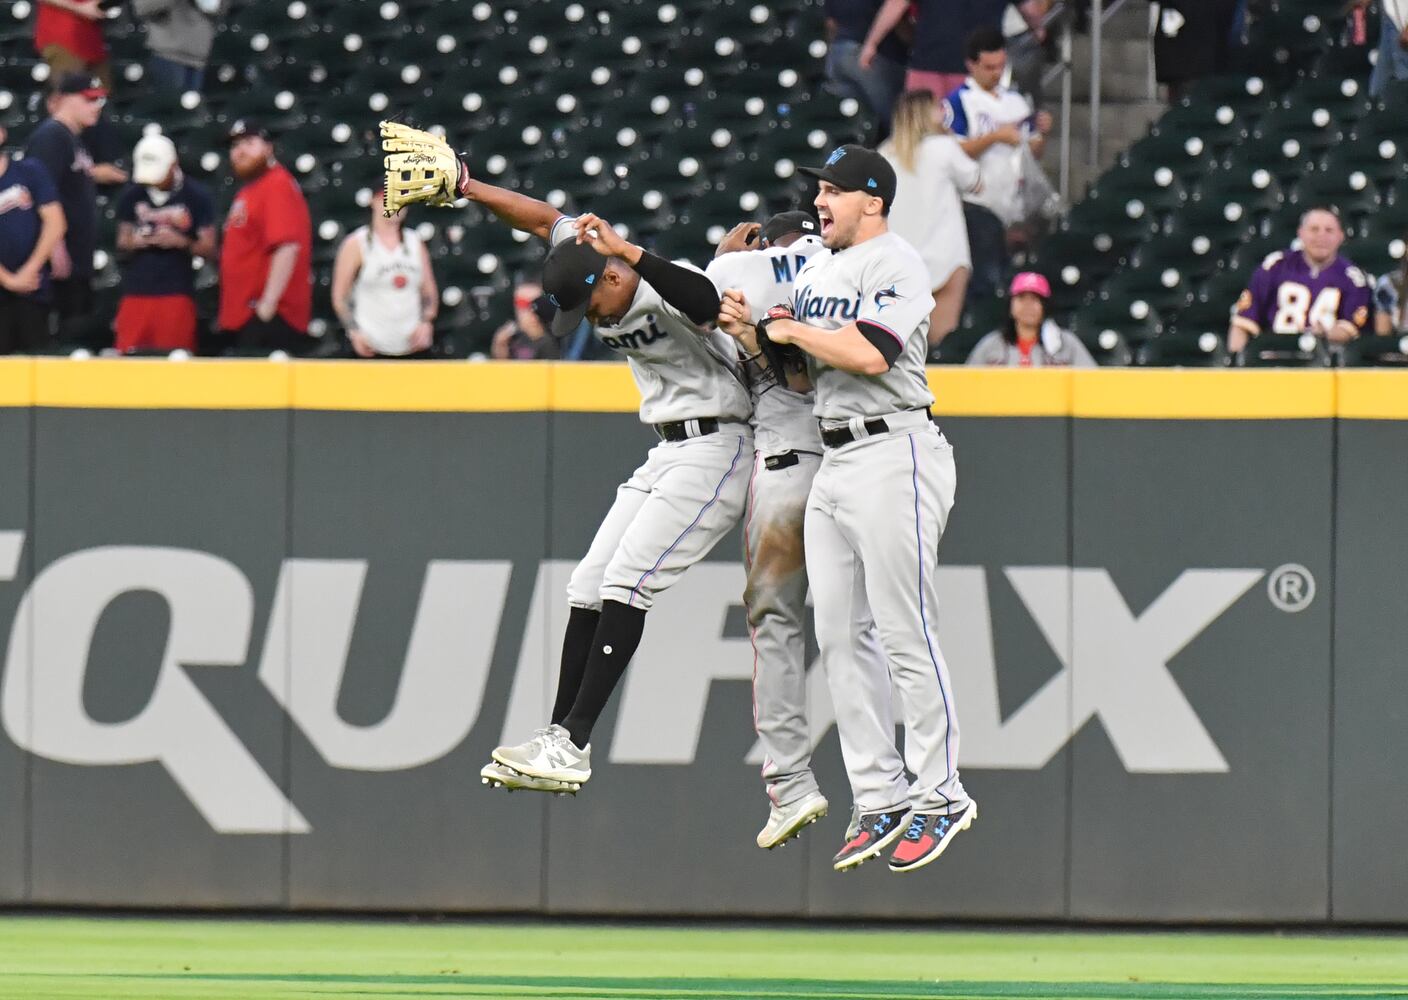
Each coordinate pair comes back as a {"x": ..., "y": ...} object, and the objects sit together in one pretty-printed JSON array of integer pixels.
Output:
[
  {"x": 79, "y": 83},
  {"x": 856, "y": 168},
  {"x": 786, "y": 223},
  {"x": 570, "y": 274}
]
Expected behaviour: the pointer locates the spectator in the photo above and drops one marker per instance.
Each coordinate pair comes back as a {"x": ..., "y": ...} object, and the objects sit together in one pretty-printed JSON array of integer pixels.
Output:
[
  {"x": 31, "y": 226},
  {"x": 931, "y": 171},
  {"x": 1027, "y": 338},
  {"x": 1025, "y": 37},
  {"x": 1311, "y": 290},
  {"x": 68, "y": 35},
  {"x": 1192, "y": 39},
  {"x": 1390, "y": 301},
  {"x": 164, "y": 220},
  {"x": 992, "y": 124},
  {"x": 383, "y": 289},
  {"x": 936, "y": 62},
  {"x": 266, "y": 291},
  {"x": 179, "y": 36},
  {"x": 76, "y": 101},
  {"x": 1392, "y": 62},
  {"x": 525, "y": 337},
  {"x": 876, "y": 84}
]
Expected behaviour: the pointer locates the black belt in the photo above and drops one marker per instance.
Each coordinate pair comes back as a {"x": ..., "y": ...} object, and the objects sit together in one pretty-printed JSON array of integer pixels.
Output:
[
  {"x": 838, "y": 436},
  {"x": 678, "y": 430},
  {"x": 784, "y": 461}
]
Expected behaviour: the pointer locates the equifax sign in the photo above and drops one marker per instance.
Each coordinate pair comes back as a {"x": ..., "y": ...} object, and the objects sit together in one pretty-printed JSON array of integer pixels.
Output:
[{"x": 1113, "y": 667}]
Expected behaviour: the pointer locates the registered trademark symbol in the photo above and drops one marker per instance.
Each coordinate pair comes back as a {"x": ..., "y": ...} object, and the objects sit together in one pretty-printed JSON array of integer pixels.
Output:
[{"x": 1291, "y": 588}]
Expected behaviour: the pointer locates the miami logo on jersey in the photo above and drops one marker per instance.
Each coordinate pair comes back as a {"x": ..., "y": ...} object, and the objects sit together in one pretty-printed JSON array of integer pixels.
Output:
[
  {"x": 883, "y": 297},
  {"x": 631, "y": 340},
  {"x": 809, "y": 306}
]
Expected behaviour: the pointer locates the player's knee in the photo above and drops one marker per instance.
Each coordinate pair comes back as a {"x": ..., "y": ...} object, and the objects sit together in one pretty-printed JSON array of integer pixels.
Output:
[{"x": 584, "y": 589}]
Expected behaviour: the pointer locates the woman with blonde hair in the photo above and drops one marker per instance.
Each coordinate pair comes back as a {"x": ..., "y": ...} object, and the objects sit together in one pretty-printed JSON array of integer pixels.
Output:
[{"x": 933, "y": 174}]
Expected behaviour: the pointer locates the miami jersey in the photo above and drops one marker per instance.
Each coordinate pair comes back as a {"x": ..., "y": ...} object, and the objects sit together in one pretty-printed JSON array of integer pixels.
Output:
[
  {"x": 884, "y": 282},
  {"x": 682, "y": 372},
  {"x": 782, "y": 419},
  {"x": 1287, "y": 295}
]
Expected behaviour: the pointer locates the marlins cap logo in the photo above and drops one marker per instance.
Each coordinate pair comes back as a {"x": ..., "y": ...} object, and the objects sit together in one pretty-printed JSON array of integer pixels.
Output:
[
  {"x": 835, "y": 156},
  {"x": 885, "y": 294}
]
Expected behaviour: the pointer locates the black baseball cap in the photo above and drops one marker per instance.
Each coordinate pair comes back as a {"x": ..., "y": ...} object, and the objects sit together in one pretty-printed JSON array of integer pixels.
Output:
[
  {"x": 855, "y": 168},
  {"x": 569, "y": 278},
  {"x": 79, "y": 83},
  {"x": 244, "y": 127},
  {"x": 786, "y": 223}
]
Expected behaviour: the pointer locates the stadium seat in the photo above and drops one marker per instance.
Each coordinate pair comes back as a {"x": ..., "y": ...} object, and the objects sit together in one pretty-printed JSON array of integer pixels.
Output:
[
  {"x": 1375, "y": 352},
  {"x": 1285, "y": 350},
  {"x": 1134, "y": 322},
  {"x": 1179, "y": 348}
]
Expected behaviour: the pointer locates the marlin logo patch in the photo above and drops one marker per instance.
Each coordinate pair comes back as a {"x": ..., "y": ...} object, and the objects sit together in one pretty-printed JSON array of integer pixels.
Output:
[
  {"x": 835, "y": 156},
  {"x": 883, "y": 297}
]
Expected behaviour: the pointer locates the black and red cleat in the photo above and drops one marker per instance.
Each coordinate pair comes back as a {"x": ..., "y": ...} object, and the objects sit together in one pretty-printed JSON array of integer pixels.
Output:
[
  {"x": 875, "y": 831},
  {"x": 927, "y": 835}
]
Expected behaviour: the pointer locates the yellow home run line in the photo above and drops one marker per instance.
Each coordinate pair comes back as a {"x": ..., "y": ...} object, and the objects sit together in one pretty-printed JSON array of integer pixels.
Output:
[{"x": 574, "y": 387}]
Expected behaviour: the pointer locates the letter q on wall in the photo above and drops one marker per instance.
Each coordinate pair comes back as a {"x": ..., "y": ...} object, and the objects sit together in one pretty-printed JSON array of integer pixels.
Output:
[{"x": 212, "y": 609}]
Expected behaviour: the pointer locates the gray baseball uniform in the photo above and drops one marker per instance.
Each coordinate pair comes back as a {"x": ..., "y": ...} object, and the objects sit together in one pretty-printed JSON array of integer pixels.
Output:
[
  {"x": 877, "y": 508},
  {"x": 788, "y": 454},
  {"x": 687, "y": 495}
]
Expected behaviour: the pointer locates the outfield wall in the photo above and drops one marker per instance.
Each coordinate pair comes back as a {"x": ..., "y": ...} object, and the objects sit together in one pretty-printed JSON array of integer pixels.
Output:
[{"x": 265, "y": 621}]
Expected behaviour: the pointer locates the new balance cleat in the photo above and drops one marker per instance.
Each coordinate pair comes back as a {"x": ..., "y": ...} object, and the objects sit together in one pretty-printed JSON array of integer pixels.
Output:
[
  {"x": 875, "y": 832},
  {"x": 550, "y": 755},
  {"x": 927, "y": 835},
  {"x": 496, "y": 775},
  {"x": 785, "y": 822}
]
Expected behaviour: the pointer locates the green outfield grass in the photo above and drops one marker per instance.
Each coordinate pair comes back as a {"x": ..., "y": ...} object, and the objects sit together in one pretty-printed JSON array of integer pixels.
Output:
[{"x": 48, "y": 958}]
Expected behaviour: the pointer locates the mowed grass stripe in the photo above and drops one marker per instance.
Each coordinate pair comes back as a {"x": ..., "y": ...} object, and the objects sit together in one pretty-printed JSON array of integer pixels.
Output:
[{"x": 66, "y": 958}]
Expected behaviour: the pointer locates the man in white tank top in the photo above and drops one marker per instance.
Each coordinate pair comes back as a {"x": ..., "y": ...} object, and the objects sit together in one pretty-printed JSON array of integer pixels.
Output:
[{"x": 383, "y": 289}]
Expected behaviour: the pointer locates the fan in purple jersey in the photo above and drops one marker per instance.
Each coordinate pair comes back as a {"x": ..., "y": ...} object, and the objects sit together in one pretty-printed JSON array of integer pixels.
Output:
[{"x": 1312, "y": 290}]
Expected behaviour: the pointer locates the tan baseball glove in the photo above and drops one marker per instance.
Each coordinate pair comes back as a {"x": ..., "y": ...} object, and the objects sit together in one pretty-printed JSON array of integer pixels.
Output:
[{"x": 420, "y": 167}]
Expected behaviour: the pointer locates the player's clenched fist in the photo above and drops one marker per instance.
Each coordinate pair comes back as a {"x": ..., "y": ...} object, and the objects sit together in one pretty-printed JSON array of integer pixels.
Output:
[
  {"x": 603, "y": 238},
  {"x": 735, "y": 314}
]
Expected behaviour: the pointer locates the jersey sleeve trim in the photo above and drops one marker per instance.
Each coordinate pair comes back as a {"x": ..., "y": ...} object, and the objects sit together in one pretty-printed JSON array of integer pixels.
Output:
[{"x": 885, "y": 340}]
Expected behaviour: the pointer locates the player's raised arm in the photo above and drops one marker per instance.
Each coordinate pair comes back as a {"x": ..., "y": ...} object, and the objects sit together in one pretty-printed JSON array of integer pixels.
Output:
[
  {"x": 422, "y": 168},
  {"x": 689, "y": 291}
]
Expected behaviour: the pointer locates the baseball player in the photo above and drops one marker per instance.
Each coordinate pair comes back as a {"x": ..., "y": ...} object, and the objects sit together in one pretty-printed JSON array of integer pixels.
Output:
[
  {"x": 877, "y": 508},
  {"x": 787, "y": 454},
  {"x": 673, "y": 509}
]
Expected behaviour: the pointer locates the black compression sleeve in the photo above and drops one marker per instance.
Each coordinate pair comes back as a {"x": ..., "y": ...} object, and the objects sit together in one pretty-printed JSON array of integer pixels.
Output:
[
  {"x": 883, "y": 340},
  {"x": 688, "y": 291}
]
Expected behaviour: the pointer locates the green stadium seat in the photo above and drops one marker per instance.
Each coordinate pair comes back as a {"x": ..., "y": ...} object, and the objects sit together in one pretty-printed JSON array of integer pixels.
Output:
[
  {"x": 1133, "y": 322},
  {"x": 1288, "y": 350},
  {"x": 1375, "y": 352},
  {"x": 1176, "y": 348}
]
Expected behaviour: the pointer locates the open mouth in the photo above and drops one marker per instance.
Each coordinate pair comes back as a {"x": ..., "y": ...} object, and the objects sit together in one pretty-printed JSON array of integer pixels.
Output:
[{"x": 827, "y": 223}]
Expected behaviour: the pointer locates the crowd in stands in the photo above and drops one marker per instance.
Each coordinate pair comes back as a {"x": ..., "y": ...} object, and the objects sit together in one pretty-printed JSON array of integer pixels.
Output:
[{"x": 953, "y": 87}]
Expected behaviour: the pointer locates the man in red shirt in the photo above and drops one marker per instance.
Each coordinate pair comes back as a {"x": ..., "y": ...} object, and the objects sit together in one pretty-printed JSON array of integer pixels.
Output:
[
  {"x": 266, "y": 290},
  {"x": 68, "y": 35}
]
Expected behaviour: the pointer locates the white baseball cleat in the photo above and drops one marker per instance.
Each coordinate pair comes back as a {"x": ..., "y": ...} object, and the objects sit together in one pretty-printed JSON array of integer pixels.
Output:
[
  {"x": 496, "y": 775},
  {"x": 550, "y": 755},
  {"x": 785, "y": 822}
]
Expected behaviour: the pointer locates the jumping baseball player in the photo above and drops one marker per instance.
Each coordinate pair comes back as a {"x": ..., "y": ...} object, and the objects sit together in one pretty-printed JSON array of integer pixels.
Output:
[
  {"x": 877, "y": 508},
  {"x": 673, "y": 509},
  {"x": 788, "y": 453}
]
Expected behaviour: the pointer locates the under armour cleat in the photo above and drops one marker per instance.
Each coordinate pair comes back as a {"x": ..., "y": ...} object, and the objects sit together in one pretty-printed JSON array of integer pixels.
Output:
[
  {"x": 875, "y": 832},
  {"x": 927, "y": 835},
  {"x": 785, "y": 822},
  {"x": 550, "y": 755},
  {"x": 496, "y": 775}
]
